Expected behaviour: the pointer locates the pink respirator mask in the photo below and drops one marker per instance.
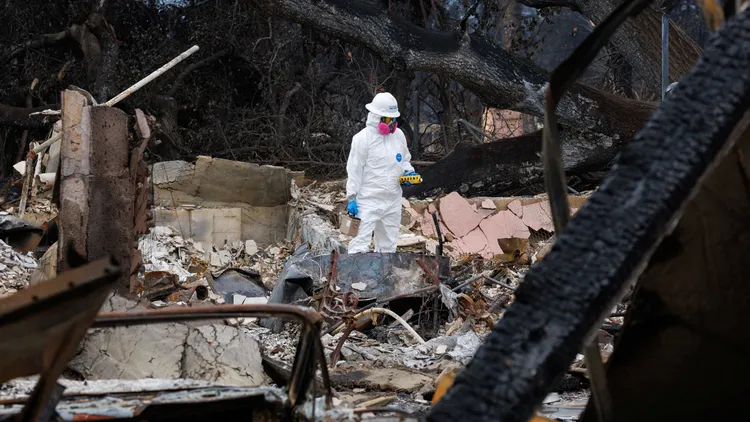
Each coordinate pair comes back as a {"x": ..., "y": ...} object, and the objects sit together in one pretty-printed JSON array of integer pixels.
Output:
[{"x": 387, "y": 125}]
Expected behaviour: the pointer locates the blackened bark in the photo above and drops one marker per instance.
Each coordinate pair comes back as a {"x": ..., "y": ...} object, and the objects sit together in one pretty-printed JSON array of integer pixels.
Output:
[
  {"x": 499, "y": 78},
  {"x": 503, "y": 167},
  {"x": 19, "y": 116},
  {"x": 639, "y": 39}
]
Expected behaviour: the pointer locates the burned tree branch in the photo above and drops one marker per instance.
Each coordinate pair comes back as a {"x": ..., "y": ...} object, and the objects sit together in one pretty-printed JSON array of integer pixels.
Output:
[
  {"x": 40, "y": 41},
  {"x": 20, "y": 116},
  {"x": 197, "y": 65},
  {"x": 504, "y": 166},
  {"x": 541, "y": 4},
  {"x": 500, "y": 79}
]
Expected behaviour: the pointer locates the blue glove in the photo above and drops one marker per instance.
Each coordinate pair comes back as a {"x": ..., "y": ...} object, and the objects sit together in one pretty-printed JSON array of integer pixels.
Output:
[
  {"x": 351, "y": 207},
  {"x": 411, "y": 173}
]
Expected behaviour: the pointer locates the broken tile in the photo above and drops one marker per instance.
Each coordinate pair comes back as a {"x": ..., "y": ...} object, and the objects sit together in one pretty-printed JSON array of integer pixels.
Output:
[
  {"x": 474, "y": 242},
  {"x": 502, "y": 225},
  {"x": 516, "y": 208},
  {"x": 537, "y": 216},
  {"x": 487, "y": 204},
  {"x": 428, "y": 226},
  {"x": 458, "y": 214},
  {"x": 484, "y": 213}
]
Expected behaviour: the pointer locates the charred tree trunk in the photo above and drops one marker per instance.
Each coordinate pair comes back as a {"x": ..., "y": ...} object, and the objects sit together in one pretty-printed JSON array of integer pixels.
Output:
[
  {"x": 504, "y": 167},
  {"x": 20, "y": 116},
  {"x": 639, "y": 39},
  {"x": 500, "y": 79}
]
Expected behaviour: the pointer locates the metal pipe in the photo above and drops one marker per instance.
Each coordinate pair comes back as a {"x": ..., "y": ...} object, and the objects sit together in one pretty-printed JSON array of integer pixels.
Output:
[
  {"x": 151, "y": 316},
  {"x": 664, "y": 55}
]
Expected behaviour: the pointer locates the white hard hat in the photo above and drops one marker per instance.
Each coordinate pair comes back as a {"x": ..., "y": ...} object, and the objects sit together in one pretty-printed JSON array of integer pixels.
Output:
[
  {"x": 671, "y": 86},
  {"x": 384, "y": 104}
]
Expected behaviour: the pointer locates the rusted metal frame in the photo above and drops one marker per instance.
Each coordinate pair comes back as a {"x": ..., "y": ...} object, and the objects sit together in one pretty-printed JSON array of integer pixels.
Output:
[
  {"x": 427, "y": 289},
  {"x": 428, "y": 271},
  {"x": 337, "y": 351},
  {"x": 329, "y": 306},
  {"x": 309, "y": 348},
  {"x": 328, "y": 292}
]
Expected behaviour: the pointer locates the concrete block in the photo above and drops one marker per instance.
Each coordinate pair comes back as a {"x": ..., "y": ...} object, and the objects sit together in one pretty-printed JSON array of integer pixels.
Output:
[
  {"x": 264, "y": 225},
  {"x": 227, "y": 226},
  {"x": 202, "y": 225},
  {"x": 178, "y": 219},
  {"x": 166, "y": 172},
  {"x": 109, "y": 150}
]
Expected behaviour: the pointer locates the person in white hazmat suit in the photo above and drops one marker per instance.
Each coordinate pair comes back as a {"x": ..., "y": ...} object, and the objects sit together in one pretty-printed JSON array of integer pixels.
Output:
[{"x": 378, "y": 158}]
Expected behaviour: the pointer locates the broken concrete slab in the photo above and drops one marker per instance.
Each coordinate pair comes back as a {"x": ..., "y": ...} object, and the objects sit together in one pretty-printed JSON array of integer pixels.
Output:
[
  {"x": 459, "y": 215},
  {"x": 381, "y": 379},
  {"x": 428, "y": 226},
  {"x": 212, "y": 352},
  {"x": 488, "y": 205},
  {"x": 223, "y": 354},
  {"x": 314, "y": 230}
]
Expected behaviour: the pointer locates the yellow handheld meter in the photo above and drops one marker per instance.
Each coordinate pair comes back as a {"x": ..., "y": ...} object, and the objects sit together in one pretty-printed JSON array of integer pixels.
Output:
[{"x": 414, "y": 180}]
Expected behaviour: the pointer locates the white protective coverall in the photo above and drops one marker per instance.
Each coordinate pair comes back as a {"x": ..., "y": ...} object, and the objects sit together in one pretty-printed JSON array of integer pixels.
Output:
[{"x": 376, "y": 162}]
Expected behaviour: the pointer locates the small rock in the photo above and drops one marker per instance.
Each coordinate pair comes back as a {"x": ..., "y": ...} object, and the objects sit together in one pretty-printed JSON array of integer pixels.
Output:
[
  {"x": 251, "y": 248},
  {"x": 359, "y": 286},
  {"x": 552, "y": 398}
]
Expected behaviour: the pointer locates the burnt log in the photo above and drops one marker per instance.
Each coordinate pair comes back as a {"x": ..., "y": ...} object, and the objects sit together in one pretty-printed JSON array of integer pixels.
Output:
[
  {"x": 20, "y": 116},
  {"x": 504, "y": 167}
]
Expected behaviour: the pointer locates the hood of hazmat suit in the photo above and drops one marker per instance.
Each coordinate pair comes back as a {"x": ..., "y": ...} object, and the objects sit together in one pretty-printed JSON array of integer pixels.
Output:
[{"x": 376, "y": 162}]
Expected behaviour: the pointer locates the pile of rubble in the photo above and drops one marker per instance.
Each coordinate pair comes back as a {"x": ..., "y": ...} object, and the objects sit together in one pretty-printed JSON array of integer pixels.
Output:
[
  {"x": 492, "y": 228},
  {"x": 187, "y": 263},
  {"x": 391, "y": 349},
  {"x": 15, "y": 270}
]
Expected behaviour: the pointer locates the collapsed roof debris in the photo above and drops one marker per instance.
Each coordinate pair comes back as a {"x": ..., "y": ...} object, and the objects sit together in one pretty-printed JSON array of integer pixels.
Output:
[
  {"x": 15, "y": 270},
  {"x": 392, "y": 324}
]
